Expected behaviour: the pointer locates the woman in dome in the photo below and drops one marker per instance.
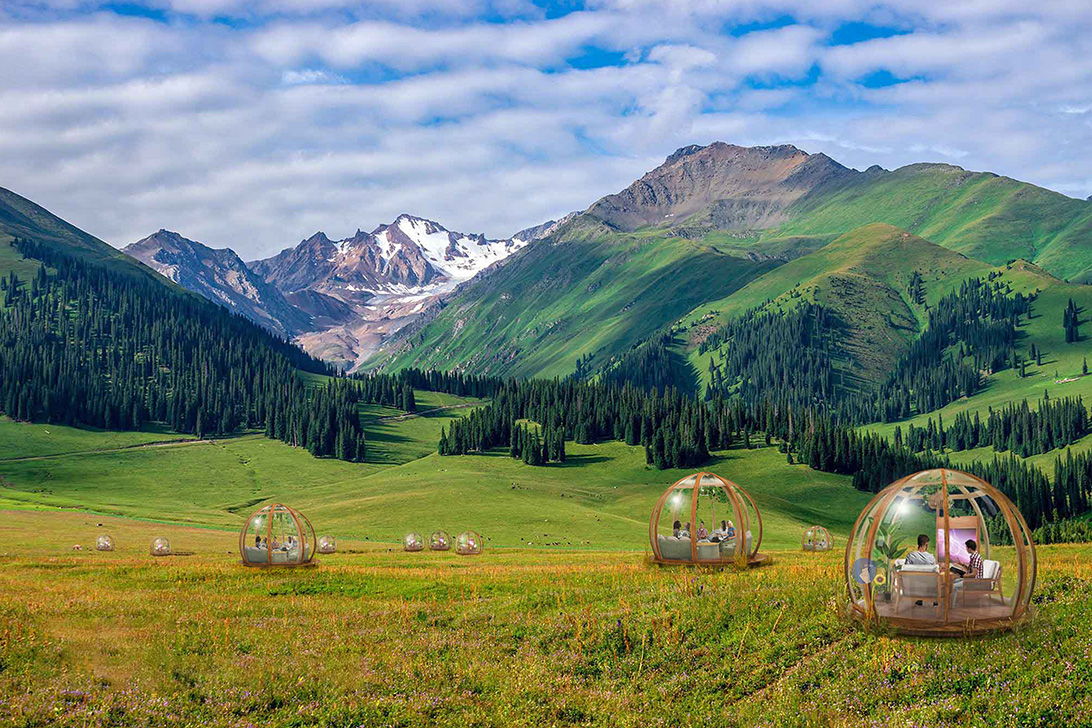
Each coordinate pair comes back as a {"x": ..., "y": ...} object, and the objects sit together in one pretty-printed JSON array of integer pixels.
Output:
[
  {"x": 703, "y": 532},
  {"x": 676, "y": 528}
]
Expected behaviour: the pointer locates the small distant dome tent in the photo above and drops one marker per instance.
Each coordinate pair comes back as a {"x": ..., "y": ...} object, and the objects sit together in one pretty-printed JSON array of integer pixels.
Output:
[
  {"x": 707, "y": 520},
  {"x": 439, "y": 541},
  {"x": 327, "y": 544},
  {"x": 963, "y": 520},
  {"x": 412, "y": 542},
  {"x": 469, "y": 543},
  {"x": 161, "y": 546},
  {"x": 105, "y": 542},
  {"x": 276, "y": 535},
  {"x": 816, "y": 538}
]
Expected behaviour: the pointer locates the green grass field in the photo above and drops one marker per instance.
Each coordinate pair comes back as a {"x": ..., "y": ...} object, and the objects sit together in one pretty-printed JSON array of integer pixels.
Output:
[
  {"x": 562, "y": 621},
  {"x": 516, "y": 637}
]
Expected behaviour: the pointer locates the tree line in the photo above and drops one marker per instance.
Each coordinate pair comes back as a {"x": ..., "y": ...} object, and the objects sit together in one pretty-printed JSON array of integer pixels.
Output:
[
  {"x": 1056, "y": 423},
  {"x": 84, "y": 344}
]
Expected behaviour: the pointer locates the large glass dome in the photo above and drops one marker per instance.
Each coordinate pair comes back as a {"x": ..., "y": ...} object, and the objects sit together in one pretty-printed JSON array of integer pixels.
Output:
[
  {"x": 439, "y": 541},
  {"x": 160, "y": 547},
  {"x": 816, "y": 538},
  {"x": 706, "y": 519},
  {"x": 327, "y": 544},
  {"x": 412, "y": 542},
  {"x": 469, "y": 543},
  {"x": 941, "y": 552},
  {"x": 276, "y": 535},
  {"x": 105, "y": 542}
]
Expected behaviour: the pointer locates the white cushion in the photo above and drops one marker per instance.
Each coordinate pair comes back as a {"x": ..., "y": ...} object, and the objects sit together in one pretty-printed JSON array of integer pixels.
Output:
[
  {"x": 990, "y": 569},
  {"x": 919, "y": 568}
]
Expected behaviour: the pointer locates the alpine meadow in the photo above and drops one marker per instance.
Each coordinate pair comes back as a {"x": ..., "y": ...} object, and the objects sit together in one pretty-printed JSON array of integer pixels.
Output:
[{"x": 750, "y": 399}]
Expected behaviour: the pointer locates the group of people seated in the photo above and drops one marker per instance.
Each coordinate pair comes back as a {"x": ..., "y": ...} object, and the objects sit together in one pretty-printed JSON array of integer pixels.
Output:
[
  {"x": 922, "y": 556},
  {"x": 289, "y": 544},
  {"x": 972, "y": 569},
  {"x": 726, "y": 531}
]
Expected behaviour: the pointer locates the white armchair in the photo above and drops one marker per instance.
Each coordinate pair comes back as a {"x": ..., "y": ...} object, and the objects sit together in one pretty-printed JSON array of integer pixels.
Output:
[
  {"x": 989, "y": 583},
  {"x": 914, "y": 581}
]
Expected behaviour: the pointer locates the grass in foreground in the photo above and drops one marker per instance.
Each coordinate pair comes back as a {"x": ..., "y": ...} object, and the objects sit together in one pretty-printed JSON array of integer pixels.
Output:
[{"x": 515, "y": 637}]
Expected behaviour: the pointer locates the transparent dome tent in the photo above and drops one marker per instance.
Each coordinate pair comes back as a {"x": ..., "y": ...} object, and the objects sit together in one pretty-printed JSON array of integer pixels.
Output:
[
  {"x": 439, "y": 541},
  {"x": 959, "y": 514},
  {"x": 413, "y": 542},
  {"x": 469, "y": 543},
  {"x": 705, "y": 519},
  {"x": 276, "y": 535},
  {"x": 161, "y": 546},
  {"x": 105, "y": 542},
  {"x": 816, "y": 538},
  {"x": 327, "y": 545}
]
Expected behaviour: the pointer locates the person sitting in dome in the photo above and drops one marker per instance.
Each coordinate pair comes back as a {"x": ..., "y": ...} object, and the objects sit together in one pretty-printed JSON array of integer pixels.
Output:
[
  {"x": 973, "y": 568},
  {"x": 685, "y": 533},
  {"x": 676, "y": 528},
  {"x": 703, "y": 532},
  {"x": 719, "y": 534},
  {"x": 258, "y": 541},
  {"x": 731, "y": 530},
  {"x": 921, "y": 556},
  {"x": 276, "y": 544}
]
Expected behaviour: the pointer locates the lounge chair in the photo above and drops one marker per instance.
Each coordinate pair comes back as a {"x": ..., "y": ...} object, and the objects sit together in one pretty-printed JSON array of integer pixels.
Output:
[
  {"x": 989, "y": 583},
  {"x": 917, "y": 581}
]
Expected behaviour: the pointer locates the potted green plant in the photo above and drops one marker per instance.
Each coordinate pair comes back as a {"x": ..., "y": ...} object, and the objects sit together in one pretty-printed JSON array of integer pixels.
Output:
[{"x": 890, "y": 546}]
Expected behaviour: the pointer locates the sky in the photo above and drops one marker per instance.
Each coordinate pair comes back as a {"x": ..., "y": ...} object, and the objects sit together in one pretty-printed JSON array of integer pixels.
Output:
[{"x": 252, "y": 125}]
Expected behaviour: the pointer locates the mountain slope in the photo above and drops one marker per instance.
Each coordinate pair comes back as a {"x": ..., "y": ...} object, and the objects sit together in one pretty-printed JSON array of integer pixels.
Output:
[
  {"x": 585, "y": 291},
  {"x": 19, "y": 217},
  {"x": 991, "y": 218},
  {"x": 769, "y": 205},
  {"x": 222, "y": 277},
  {"x": 731, "y": 187},
  {"x": 863, "y": 277}
]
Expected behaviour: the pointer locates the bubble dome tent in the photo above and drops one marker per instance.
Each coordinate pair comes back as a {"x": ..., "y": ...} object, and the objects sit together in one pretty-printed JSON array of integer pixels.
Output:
[
  {"x": 327, "y": 544},
  {"x": 950, "y": 507},
  {"x": 105, "y": 542},
  {"x": 276, "y": 535},
  {"x": 413, "y": 542},
  {"x": 469, "y": 543},
  {"x": 816, "y": 538},
  {"x": 160, "y": 547},
  {"x": 706, "y": 498},
  {"x": 439, "y": 541}
]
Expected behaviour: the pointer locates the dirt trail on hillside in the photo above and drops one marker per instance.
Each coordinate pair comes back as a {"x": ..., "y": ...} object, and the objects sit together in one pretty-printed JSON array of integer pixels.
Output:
[{"x": 124, "y": 448}]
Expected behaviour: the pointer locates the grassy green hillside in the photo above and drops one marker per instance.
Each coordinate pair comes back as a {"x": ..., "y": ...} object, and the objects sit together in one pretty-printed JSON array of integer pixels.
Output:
[
  {"x": 19, "y": 217},
  {"x": 600, "y": 498},
  {"x": 987, "y": 217},
  {"x": 863, "y": 277},
  {"x": 589, "y": 292},
  {"x": 1060, "y": 373}
]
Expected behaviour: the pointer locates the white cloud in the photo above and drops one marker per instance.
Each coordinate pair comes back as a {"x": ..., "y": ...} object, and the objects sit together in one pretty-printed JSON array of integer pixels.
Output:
[{"x": 338, "y": 115}]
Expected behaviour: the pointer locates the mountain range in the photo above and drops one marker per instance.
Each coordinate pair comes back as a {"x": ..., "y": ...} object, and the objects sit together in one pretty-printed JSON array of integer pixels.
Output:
[
  {"x": 339, "y": 299},
  {"x": 713, "y": 231},
  {"x": 713, "y": 220}
]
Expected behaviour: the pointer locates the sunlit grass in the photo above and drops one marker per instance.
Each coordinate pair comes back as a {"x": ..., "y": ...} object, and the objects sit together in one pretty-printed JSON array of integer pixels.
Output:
[{"x": 515, "y": 637}]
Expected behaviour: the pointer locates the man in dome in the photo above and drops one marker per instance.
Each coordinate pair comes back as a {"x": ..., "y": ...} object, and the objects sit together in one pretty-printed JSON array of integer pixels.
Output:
[{"x": 921, "y": 556}]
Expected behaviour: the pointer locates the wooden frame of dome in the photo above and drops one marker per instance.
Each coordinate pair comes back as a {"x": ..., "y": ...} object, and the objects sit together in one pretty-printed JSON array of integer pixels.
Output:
[
  {"x": 296, "y": 548},
  {"x": 737, "y": 546},
  {"x": 816, "y": 538},
  {"x": 954, "y": 508}
]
